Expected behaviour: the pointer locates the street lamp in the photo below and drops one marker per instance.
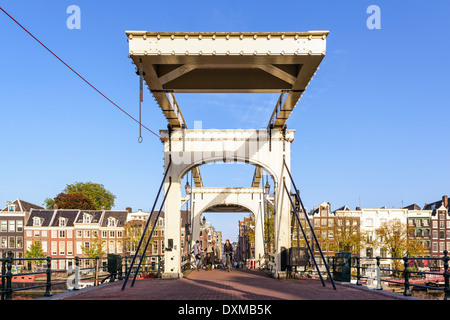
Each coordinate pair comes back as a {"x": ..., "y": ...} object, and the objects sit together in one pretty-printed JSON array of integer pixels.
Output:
[
  {"x": 187, "y": 187},
  {"x": 267, "y": 188}
]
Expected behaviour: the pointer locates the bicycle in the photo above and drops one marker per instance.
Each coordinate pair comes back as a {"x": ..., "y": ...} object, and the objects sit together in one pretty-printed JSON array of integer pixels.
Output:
[{"x": 229, "y": 264}]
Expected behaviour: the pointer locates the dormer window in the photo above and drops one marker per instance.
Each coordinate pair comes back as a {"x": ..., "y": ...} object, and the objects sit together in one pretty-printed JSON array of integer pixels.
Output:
[
  {"x": 62, "y": 222},
  {"x": 37, "y": 222},
  {"x": 112, "y": 222},
  {"x": 87, "y": 218},
  {"x": 12, "y": 207}
]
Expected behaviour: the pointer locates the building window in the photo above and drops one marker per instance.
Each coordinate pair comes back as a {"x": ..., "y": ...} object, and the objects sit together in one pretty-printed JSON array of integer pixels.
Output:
[
  {"x": 62, "y": 222},
  {"x": 70, "y": 248},
  {"x": 111, "y": 234},
  {"x": 435, "y": 247},
  {"x": 19, "y": 242},
  {"x": 4, "y": 226},
  {"x": 3, "y": 243},
  {"x": 79, "y": 234},
  {"x": 54, "y": 248},
  {"x": 62, "y": 233},
  {"x": 79, "y": 250},
  {"x": 62, "y": 247},
  {"x": 19, "y": 224},
  {"x": 12, "y": 226},
  {"x": 112, "y": 222},
  {"x": 87, "y": 218},
  {"x": 111, "y": 247},
  {"x": 37, "y": 222}
]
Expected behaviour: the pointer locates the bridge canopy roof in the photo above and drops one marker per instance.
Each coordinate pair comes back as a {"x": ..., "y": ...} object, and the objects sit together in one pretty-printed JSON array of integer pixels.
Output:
[{"x": 201, "y": 62}]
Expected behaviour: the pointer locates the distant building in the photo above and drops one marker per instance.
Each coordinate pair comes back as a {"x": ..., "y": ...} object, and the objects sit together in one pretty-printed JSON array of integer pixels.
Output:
[
  {"x": 64, "y": 232},
  {"x": 440, "y": 227},
  {"x": 12, "y": 220}
]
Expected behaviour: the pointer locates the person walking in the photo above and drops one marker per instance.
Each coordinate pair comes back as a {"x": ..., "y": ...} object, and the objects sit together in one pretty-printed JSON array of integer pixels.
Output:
[
  {"x": 228, "y": 251},
  {"x": 198, "y": 254},
  {"x": 209, "y": 256}
]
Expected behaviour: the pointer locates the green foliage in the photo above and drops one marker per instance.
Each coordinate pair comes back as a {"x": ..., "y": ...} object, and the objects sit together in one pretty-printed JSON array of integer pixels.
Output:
[
  {"x": 35, "y": 252},
  {"x": 95, "y": 248},
  {"x": 95, "y": 192}
]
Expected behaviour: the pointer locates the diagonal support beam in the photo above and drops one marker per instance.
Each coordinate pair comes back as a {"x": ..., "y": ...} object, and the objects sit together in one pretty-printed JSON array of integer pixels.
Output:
[{"x": 277, "y": 72}]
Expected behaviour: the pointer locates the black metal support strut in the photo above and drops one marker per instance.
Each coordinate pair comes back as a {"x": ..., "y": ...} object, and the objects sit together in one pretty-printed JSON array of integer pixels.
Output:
[
  {"x": 297, "y": 195},
  {"x": 146, "y": 226}
]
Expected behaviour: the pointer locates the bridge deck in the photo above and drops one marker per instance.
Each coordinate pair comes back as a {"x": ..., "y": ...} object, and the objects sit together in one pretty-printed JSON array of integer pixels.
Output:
[{"x": 221, "y": 285}]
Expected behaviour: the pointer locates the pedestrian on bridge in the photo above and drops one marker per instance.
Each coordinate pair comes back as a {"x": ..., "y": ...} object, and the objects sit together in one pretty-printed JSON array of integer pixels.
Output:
[
  {"x": 209, "y": 256},
  {"x": 198, "y": 254}
]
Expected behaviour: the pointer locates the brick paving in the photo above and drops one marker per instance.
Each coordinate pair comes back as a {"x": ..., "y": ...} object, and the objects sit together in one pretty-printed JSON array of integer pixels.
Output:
[{"x": 223, "y": 285}]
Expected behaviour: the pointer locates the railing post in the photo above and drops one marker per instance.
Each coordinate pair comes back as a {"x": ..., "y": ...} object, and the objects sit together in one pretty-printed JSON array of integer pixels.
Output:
[
  {"x": 3, "y": 275},
  {"x": 159, "y": 266},
  {"x": 9, "y": 276},
  {"x": 358, "y": 271},
  {"x": 76, "y": 285},
  {"x": 446, "y": 258},
  {"x": 407, "y": 292},
  {"x": 96, "y": 272},
  {"x": 120, "y": 270},
  {"x": 48, "y": 285},
  {"x": 379, "y": 286}
]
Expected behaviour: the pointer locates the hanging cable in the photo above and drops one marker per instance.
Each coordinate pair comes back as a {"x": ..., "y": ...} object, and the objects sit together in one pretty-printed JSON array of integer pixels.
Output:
[
  {"x": 141, "y": 99},
  {"x": 93, "y": 87}
]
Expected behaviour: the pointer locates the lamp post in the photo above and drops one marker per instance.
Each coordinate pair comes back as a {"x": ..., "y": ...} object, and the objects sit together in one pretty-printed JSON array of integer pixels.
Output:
[
  {"x": 187, "y": 187},
  {"x": 267, "y": 188}
]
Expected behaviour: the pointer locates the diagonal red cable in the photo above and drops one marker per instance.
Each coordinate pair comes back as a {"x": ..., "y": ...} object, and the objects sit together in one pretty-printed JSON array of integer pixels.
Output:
[{"x": 92, "y": 86}]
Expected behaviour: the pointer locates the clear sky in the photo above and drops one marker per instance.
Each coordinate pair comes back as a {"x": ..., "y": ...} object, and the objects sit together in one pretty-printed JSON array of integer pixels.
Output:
[{"x": 372, "y": 128}]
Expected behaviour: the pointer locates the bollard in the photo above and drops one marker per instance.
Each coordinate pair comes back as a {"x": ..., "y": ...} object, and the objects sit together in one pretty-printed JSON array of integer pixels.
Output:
[
  {"x": 407, "y": 292},
  {"x": 48, "y": 285},
  {"x": 358, "y": 271},
  {"x": 379, "y": 287},
  {"x": 446, "y": 258}
]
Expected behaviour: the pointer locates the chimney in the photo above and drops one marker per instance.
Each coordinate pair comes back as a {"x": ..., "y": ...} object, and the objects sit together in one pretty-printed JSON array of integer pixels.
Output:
[
  {"x": 358, "y": 208},
  {"x": 128, "y": 209},
  {"x": 445, "y": 201}
]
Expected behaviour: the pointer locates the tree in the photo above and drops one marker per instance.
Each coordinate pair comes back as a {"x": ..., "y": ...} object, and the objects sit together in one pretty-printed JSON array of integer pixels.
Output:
[
  {"x": 347, "y": 235},
  {"x": 395, "y": 237},
  {"x": 73, "y": 201},
  {"x": 133, "y": 234},
  {"x": 95, "y": 248},
  {"x": 95, "y": 192},
  {"x": 35, "y": 252}
]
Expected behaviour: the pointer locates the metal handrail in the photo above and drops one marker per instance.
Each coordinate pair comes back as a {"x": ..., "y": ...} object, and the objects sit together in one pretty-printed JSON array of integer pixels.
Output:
[{"x": 407, "y": 273}]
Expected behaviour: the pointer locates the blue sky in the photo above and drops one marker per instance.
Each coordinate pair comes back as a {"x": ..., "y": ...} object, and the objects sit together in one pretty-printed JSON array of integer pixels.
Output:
[{"x": 372, "y": 127}]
